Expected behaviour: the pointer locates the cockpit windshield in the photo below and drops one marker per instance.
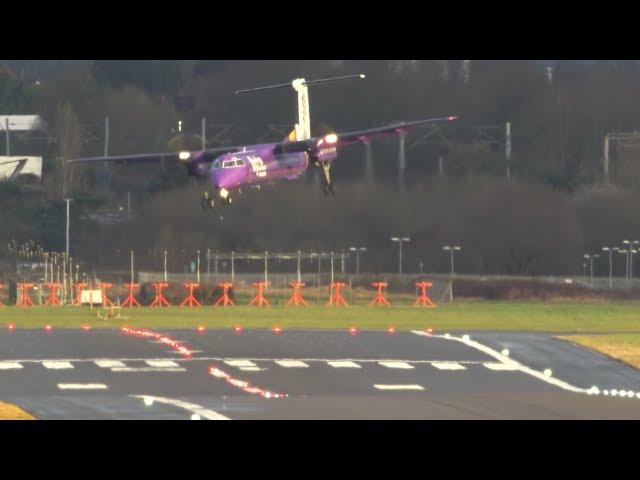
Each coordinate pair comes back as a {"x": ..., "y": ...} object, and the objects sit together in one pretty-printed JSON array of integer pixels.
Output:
[{"x": 234, "y": 162}]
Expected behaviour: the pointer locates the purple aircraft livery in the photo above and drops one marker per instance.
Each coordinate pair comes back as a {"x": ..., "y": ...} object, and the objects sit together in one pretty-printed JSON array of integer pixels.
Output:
[{"x": 230, "y": 168}]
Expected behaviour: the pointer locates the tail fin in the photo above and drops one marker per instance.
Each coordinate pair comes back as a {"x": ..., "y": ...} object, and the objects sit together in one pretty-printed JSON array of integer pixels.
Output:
[{"x": 292, "y": 137}]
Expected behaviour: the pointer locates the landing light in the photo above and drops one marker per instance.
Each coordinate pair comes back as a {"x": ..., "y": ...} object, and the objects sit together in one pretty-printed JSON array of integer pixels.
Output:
[
  {"x": 184, "y": 155},
  {"x": 331, "y": 138},
  {"x": 224, "y": 193}
]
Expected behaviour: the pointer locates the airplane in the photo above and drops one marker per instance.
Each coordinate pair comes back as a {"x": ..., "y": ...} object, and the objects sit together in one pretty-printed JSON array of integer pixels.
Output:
[{"x": 230, "y": 168}]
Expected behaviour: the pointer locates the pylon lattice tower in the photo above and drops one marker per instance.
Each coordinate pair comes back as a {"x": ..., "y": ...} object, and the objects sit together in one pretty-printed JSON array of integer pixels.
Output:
[
  {"x": 335, "y": 298},
  {"x": 423, "y": 299},
  {"x": 191, "y": 300},
  {"x": 131, "y": 301},
  {"x": 380, "y": 299},
  {"x": 259, "y": 300},
  {"x": 224, "y": 299},
  {"x": 296, "y": 296}
]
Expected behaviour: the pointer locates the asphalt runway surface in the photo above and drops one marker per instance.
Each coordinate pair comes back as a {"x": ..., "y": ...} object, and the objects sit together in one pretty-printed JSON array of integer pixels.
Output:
[{"x": 304, "y": 374}]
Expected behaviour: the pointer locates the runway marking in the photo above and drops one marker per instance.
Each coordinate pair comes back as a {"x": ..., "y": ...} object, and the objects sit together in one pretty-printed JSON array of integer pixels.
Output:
[
  {"x": 148, "y": 369},
  {"x": 292, "y": 363},
  {"x": 500, "y": 367},
  {"x": 398, "y": 387},
  {"x": 448, "y": 366},
  {"x": 109, "y": 363},
  {"x": 161, "y": 363},
  {"x": 190, "y": 407},
  {"x": 343, "y": 364},
  {"x": 57, "y": 365},
  {"x": 10, "y": 365},
  {"x": 508, "y": 361},
  {"x": 402, "y": 365},
  {"x": 240, "y": 363},
  {"x": 82, "y": 386},
  {"x": 252, "y": 369}
]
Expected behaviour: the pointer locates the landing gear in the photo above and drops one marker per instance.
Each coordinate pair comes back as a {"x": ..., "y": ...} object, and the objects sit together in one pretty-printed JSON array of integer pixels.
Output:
[{"x": 207, "y": 202}]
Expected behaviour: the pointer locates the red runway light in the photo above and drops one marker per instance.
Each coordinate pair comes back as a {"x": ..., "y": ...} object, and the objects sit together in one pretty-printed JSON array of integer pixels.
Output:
[
  {"x": 200, "y": 329},
  {"x": 86, "y": 328},
  {"x": 276, "y": 330},
  {"x": 48, "y": 328},
  {"x": 429, "y": 331},
  {"x": 353, "y": 331},
  {"x": 237, "y": 329},
  {"x": 11, "y": 326},
  {"x": 391, "y": 330}
]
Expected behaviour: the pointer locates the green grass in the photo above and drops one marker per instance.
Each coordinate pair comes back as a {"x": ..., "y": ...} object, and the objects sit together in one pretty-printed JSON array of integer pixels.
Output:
[
  {"x": 594, "y": 317},
  {"x": 623, "y": 347}
]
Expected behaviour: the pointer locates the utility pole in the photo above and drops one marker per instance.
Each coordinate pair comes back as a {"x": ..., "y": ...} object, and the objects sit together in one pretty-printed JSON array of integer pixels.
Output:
[
  {"x": 610, "y": 250},
  {"x": 331, "y": 267},
  {"x": 106, "y": 136},
  {"x": 402, "y": 159},
  {"x": 132, "y": 267},
  {"x": 66, "y": 258},
  {"x": 606, "y": 159},
  {"x": 208, "y": 264},
  {"x": 198, "y": 269},
  {"x": 6, "y": 122},
  {"x": 299, "y": 274},
  {"x": 451, "y": 251},
  {"x": 358, "y": 250},
  {"x": 233, "y": 268},
  {"x": 266, "y": 278},
  {"x": 591, "y": 258},
  {"x": 204, "y": 133},
  {"x": 165, "y": 266},
  {"x": 507, "y": 149}
]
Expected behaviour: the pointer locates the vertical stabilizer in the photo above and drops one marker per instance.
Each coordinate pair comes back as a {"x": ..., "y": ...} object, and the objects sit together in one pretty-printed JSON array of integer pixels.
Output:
[{"x": 303, "y": 127}]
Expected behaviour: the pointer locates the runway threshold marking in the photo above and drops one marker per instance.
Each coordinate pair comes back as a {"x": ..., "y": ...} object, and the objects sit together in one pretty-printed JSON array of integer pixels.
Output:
[
  {"x": 448, "y": 366},
  {"x": 344, "y": 364},
  {"x": 398, "y": 387},
  {"x": 82, "y": 386},
  {"x": 500, "y": 367},
  {"x": 402, "y": 365},
  {"x": 148, "y": 369},
  {"x": 291, "y": 363},
  {"x": 109, "y": 363},
  {"x": 10, "y": 366},
  {"x": 240, "y": 363},
  {"x": 57, "y": 365},
  {"x": 190, "y": 407},
  {"x": 161, "y": 363}
]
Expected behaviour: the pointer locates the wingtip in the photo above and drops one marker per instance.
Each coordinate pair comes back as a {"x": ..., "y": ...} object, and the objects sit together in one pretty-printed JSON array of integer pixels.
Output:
[{"x": 452, "y": 118}]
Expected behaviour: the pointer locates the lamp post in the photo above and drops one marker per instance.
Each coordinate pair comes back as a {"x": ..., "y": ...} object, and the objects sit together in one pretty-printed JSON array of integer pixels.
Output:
[
  {"x": 400, "y": 241},
  {"x": 451, "y": 251},
  {"x": 357, "y": 250},
  {"x": 591, "y": 258},
  {"x": 610, "y": 250}
]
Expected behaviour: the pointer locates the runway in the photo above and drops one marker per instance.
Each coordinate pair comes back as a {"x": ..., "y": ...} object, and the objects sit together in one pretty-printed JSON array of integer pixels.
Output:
[{"x": 305, "y": 374}]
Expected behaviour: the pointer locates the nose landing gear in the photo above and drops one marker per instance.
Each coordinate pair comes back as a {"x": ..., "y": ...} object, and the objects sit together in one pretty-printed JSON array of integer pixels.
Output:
[{"x": 207, "y": 202}]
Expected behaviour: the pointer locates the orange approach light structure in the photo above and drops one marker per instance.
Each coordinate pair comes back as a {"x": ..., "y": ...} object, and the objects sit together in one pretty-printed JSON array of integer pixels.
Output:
[
  {"x": 224, "y": 299},
  {"x": 259, "y": 300},
  {"x": 77, "y": 299},
  {"x": 131, "y": 298},
  {"x": 191, "y": 300},
  {"x": 105, "y": 298},
  {"x": 296, "y": 297},
  {"x": 53, "y": 299},
  {"x": 423, "y": 299},
  {"x": 23, "y": 298},
  {"x": 380, "y": 299},
  {"x": 160, "y": 300},
  {"x": 335, "y": 298}
]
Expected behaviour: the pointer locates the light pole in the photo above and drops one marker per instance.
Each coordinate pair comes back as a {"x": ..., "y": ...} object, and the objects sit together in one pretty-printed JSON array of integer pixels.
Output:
[
  {"x": 357, "y": 250},
  {"x": 451, "y": 251},
  {"x": 400, "y": 241},
  {"x": 610, "y": 250},
  {"x": 591, "y": 258}
]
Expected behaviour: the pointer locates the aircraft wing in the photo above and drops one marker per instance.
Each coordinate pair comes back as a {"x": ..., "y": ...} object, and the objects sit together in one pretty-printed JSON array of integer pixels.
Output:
[
  {"x": 187, "y": 157},
  {"x": 342, "y": 139}
]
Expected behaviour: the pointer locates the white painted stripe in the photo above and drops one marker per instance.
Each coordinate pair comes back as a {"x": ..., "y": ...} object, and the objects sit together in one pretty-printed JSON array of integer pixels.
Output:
[
  {"x": 82, "y": 386},
  {"x": 190, "y": 407},
  {"x": 399, "y": 387},
  {"x": 403, "y": 365},
  {"x": 109, "y": 363},
  {"x": 57, "y": 365},
  {"x": 240, "y": 363},
  {"x": 507, "y": 360},
  {"x": 448, "y": 366},
  {"x": 344, "y": 364},
  {"x": 291, "y": 363},
  {"x": 500, "y": 367},
  {"x": 161, "y": 363},
  {"x": 148, "y": 369},
  {"x": 10, "y": 366},
  {"x": 252, "y": 369}
]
